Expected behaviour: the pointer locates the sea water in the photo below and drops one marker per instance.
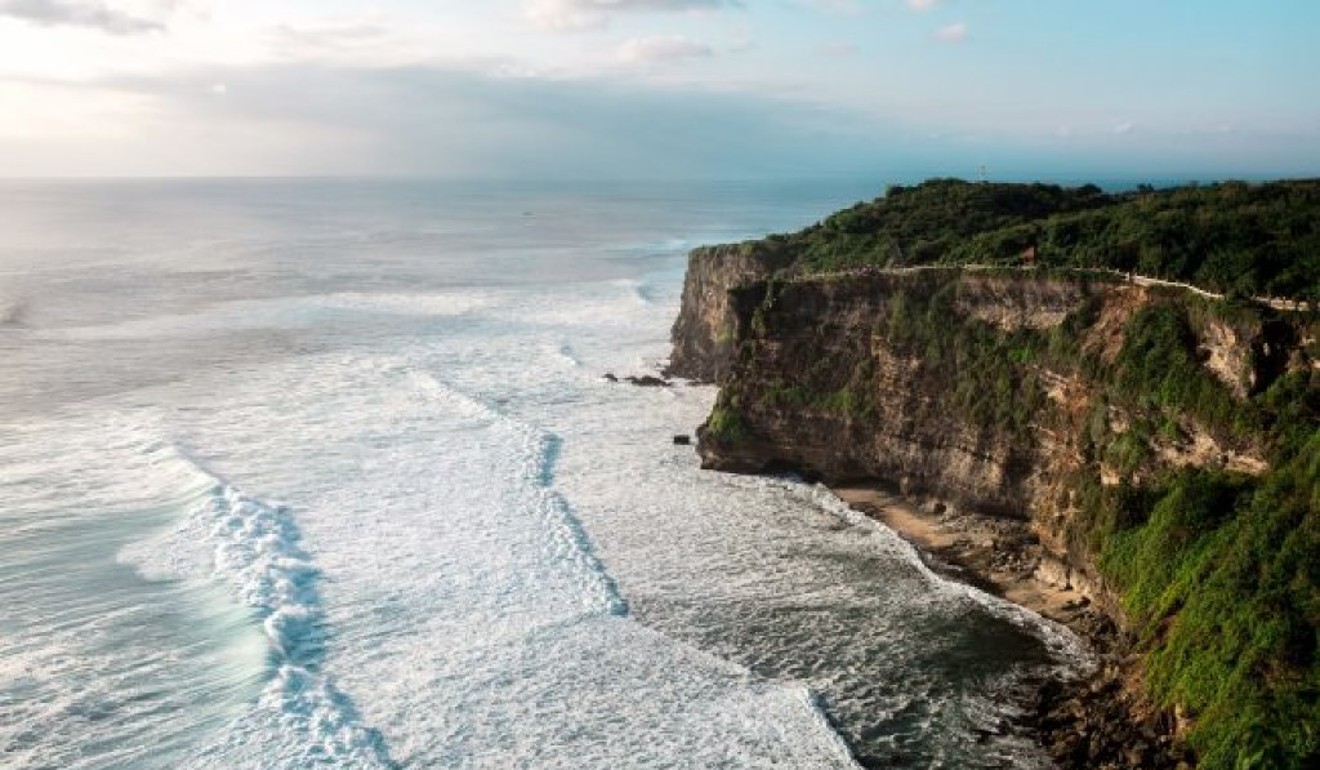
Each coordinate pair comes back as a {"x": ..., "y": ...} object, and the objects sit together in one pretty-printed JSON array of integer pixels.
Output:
[{"x": 326, "y": 474}]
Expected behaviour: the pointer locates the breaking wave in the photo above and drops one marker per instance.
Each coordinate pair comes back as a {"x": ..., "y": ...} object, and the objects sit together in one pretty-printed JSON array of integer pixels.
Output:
[{"x": 255, "y": 551}]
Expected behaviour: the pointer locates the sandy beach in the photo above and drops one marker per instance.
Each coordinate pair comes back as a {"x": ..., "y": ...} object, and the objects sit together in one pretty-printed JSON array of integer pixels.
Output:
[{"x": 995, "y": 554}]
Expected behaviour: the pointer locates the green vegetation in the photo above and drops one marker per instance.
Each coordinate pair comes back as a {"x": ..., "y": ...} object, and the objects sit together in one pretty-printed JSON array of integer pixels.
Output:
[
  {"x": 726, "y": 425},
  {"x": 1223, "y": 582},
  {"x": 1232, "y": 238},
  {"x": 996, "y": 388},
  {"x": 926, "y": 223},
  {"x": 1158, "y": 369},
  {"x": 1220, "y": 572}
]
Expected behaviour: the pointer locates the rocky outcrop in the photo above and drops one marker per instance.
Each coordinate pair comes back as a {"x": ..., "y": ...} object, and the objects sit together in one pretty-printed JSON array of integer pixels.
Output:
[
  {"x": 822, "y": 389},
  {"x": 822, "y": 392},
  {"x": 704, "y": 331}
]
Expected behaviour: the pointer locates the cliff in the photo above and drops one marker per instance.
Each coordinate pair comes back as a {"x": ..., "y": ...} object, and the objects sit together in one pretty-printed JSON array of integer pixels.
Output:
[
  {"x": 1160, "y": 445},
  {"x": 704, "y": 332}
]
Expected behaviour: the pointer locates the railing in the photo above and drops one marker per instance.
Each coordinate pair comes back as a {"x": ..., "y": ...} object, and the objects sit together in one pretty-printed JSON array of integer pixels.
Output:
[{"x": 1277, "y": 303}]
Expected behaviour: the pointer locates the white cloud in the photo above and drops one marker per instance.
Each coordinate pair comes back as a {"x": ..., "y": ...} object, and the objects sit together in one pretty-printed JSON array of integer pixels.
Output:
[
  {"x": 1125, "y": 127},
  {"x": 662, "y": 49},
  {"x": 922, "y": 5},
  {"x": 582, "y": 14},
  {"x": 952, "y": 33},
  {"x": 292, "y": 119},
  {"x": 95, "y": 14},
  {"x": 372, "y": 35}
]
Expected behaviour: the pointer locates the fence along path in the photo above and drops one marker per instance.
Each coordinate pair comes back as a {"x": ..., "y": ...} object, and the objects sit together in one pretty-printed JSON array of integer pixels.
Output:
[{"x": 1277, "y": 303}]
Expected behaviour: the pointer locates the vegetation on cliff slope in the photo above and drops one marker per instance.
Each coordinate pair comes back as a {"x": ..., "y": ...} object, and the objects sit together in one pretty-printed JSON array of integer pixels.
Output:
[
  {"x": 1234, "y": 238},
  {"x": 1219, "y": 571}
]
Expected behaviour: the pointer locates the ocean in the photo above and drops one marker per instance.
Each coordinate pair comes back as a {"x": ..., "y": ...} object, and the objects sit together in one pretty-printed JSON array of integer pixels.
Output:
[{"x": 327, "y": 474}]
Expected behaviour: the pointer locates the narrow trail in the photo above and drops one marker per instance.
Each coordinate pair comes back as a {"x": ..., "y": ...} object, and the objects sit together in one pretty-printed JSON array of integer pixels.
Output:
[{"x": 1277, "y": 303}]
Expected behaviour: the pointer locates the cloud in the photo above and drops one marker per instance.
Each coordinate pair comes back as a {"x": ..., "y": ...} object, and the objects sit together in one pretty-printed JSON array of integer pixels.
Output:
[
  {"x": 952, "y": 33},
  {"x": 298, "y": 118},
  {"x": 336, "y": 39},
  {"x": 662, "y": 49},
  {"x": 582, "y": 14},
  {"x": 922, "y": 5},
  {"x": 295, "y": 118},
  {"x": 334, "y": 34},
  {"x": 1126, "y": 127},
  {"x": 95, "y": 14}
]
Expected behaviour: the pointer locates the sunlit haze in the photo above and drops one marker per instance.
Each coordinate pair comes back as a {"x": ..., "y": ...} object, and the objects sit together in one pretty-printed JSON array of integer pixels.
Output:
[{"x": 637, "y": 89}]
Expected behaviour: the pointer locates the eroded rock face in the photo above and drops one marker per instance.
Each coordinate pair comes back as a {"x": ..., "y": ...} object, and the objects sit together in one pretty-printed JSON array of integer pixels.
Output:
[
  {"x": 1228, "y": 357},
  {"x": 705, "y": 329},
  {"x": 823, "y": 392},
  {"x": 1010, "y": 303},
  {"x": 814, "y": 380}
]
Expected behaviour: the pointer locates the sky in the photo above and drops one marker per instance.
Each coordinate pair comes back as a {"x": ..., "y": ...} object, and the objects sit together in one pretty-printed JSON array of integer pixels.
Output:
[{"x": 661, "y": 89}]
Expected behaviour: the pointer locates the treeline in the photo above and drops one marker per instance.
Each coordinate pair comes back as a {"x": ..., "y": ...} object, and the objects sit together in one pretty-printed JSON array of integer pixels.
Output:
[{"x": 1231, "y": 238}]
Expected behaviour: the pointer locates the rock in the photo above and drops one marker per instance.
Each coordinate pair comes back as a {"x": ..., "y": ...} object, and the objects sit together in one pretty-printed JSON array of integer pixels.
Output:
[
  {"x": 682, "y": 439},
  {"x": 704, "y": 333},
  {"x": 610, "y": 376},
  {"x": 648, "y": 381}
]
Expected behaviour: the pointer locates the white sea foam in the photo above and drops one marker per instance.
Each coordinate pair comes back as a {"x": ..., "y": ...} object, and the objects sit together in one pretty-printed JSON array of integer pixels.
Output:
[
  {"x": 256, "y": 552},
  {"x": 566, "y": 539},
  {"x": 492, "y": 558},
  {"x": 89, "y": 659},
  {"x": 638, "y": 290},
  {"x": 565, "y": 353},
  {"x": 465, "y": 613}
]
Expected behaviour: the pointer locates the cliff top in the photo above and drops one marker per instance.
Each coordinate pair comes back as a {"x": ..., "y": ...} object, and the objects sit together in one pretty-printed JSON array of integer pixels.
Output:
[{"x": 1229, "y": 238}]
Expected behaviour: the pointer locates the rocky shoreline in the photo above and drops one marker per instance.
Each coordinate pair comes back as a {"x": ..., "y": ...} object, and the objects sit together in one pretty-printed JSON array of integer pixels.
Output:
[{"x": 1100, "y": 721}]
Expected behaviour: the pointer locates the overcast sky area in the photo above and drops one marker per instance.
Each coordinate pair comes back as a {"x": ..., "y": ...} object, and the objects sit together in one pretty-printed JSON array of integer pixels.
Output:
[{"x": 658, "y": 89}]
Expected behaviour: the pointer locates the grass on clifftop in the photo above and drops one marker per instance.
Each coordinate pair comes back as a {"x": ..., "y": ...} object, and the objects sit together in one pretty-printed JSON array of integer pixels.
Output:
[{"x": 1231, "y": 238}]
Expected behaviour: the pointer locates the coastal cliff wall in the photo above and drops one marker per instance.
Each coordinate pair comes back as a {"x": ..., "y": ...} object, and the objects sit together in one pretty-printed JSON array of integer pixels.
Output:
[
  {"x": 705, "y": 330},
  {"x": 1078, "y": 404}
]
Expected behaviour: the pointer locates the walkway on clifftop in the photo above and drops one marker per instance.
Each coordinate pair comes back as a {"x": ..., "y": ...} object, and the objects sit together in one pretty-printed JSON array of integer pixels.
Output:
[{"x": 1277, "y": 303}]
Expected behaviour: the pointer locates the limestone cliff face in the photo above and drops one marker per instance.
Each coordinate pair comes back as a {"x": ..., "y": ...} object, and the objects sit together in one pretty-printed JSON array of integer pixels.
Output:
[
  {"x": 705, "y": 330},
  {"x": 819, "y": 390},
  {"x": 945, "y": 384}
]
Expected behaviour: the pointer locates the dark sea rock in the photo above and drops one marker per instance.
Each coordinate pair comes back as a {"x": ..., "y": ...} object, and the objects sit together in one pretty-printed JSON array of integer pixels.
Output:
[{"x": 648, "y": 381}]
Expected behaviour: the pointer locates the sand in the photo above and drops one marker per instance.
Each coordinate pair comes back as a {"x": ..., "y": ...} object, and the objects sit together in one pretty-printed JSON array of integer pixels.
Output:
[{"x": 995, "y": 554}]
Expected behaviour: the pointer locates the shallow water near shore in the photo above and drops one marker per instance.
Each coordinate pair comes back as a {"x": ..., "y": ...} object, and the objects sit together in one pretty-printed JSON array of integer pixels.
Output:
[{"x": 327, "y": 474}]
